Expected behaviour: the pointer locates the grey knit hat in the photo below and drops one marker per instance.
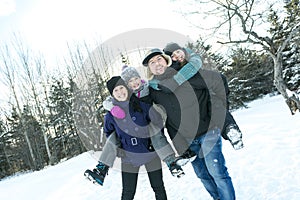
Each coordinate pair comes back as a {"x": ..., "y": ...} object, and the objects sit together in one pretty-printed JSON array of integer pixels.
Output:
[
  {"x": 128, "y": 73},
  {"x": 171, "y": 47}
]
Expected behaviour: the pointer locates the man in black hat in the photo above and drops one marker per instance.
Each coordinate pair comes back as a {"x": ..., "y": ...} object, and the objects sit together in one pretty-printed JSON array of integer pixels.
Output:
[{"x": 191, "y": 113}]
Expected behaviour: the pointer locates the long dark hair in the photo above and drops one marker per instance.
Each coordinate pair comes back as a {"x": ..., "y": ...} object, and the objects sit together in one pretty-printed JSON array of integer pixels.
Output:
[{"x": 134, "y": 103}]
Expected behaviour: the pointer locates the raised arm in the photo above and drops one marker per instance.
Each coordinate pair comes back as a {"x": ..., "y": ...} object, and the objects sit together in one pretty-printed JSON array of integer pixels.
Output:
[
  {"x": 194, "y": 63},
  {"x": 116, "y": 111}
]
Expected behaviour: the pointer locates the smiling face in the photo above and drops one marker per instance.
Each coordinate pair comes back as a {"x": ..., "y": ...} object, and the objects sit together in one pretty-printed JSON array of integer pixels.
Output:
[
  {"x": 178, "y": 55},
  {"x": 135, "y": 83},
  {"x": 157, "y": 65},
  {"x": 120, "y": 93}
]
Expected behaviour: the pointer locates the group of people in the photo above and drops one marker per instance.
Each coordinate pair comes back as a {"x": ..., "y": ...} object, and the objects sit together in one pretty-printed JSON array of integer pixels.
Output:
[{"x": 180, "y": 96}]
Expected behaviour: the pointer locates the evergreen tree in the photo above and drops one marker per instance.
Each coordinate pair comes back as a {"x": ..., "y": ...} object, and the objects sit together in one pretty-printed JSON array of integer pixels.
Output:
[
  {"x": 291, "y": 53},
  {"x": 249, "y": 75},
  {"x": 246, "y": 22},
  {"x": 124, "y": 59},
  {"x": 4, "y": 157},
  {"x": 15, "y": 140},
  {"x": 89, "y": 112},
  {"x": 19, "y": 155},
  {"x": 35, "y": 134},
  {"x": 65, "y": 143}
]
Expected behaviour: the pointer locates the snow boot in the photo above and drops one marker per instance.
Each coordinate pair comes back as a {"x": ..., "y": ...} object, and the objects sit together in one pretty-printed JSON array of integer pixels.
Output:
[
  {"x": 98, "y": 174},
  {"x": 174, "y": 168},
  {"x": 187, "y": 156},
  {"x": 234, "y": 136}
]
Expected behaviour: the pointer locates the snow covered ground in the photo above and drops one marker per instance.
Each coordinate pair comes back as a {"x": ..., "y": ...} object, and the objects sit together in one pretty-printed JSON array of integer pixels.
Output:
[{"x": 268, "y": 167}]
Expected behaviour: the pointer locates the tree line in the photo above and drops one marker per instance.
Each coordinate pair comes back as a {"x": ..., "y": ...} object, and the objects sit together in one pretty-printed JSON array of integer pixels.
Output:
[
  {"x": 269, "y": 26},
  {"x": 52, "y": 116}
]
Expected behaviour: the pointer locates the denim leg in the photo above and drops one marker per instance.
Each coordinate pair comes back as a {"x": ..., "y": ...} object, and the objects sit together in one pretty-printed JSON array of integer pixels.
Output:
[
  {"x": 202, "y": 172},
  {"x": 211, "y": 145}
]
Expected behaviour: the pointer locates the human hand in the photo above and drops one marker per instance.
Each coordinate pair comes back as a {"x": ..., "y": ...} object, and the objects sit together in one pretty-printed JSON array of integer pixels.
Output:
[{"x": 107, "y": 103}]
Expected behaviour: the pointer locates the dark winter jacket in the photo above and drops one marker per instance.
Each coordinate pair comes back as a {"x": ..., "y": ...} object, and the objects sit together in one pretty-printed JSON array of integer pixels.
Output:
[
  {"x": 217, "y": 85},
  {"x": 218, "y": 95},
  {"x": 188, "y": 108},
  {"x": 133, "y": 131}
]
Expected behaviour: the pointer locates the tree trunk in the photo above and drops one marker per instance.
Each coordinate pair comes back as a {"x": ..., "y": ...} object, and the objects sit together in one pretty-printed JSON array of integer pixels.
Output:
[{"x": 291, "y": 98}]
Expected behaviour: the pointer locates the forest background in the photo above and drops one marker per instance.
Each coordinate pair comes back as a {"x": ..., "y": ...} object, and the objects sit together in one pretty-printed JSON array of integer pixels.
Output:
[{"x": 39, "y": 123}]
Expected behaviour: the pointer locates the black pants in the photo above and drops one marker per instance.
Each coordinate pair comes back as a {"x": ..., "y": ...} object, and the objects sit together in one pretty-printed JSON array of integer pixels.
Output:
[{"x": 130, "y": 177}]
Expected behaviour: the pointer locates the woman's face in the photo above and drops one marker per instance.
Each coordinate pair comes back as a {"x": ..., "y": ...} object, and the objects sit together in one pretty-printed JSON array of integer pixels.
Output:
[
  {"x": 135, "y": 83},
  {"x": 178, "y": 55},
  {"x": 157, "y": 65},
  {"x": 120, "y": 93}
]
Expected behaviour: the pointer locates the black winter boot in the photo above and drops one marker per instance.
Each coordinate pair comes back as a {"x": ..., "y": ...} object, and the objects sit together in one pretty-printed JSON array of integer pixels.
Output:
[
  {"x": 174, "y": 168},
  {"x": 98, "y": 174}
]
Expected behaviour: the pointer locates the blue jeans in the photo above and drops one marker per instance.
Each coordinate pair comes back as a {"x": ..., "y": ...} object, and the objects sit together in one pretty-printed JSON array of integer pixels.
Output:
[{"x": 209, "y": 165}]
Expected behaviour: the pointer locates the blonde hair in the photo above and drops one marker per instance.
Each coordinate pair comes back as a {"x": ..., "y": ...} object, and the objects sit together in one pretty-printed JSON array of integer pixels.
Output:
[{"x": 149, "y": 74}]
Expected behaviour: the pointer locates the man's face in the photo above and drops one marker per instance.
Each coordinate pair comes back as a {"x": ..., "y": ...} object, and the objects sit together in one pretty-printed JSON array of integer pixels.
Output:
[
  {"x": 135, "y": 83},
  {"x": 157, "y": 65},
  {"x": 120, "y": 93},
  {"x": 178, "y": 55}
]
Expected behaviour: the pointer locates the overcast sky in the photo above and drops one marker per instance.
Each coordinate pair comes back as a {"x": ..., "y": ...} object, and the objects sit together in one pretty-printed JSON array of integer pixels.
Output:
[{"x": 48, "y": 25}]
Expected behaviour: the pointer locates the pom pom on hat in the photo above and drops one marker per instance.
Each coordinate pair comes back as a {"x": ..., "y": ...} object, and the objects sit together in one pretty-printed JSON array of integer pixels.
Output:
[
  {"x": 124, "y": 67},
  {"x": 128, "y": 73}
]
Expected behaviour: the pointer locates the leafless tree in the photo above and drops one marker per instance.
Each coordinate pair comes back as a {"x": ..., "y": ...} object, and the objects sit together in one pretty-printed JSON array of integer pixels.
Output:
[
  {"x": 31, "y": 67},
  {"x": 246, "y": 22},
  {"x": 10, "y": 81},
  {"x": 90, "y": 70}
]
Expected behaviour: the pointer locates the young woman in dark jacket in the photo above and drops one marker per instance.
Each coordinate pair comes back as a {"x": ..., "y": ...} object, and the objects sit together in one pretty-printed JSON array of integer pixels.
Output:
[{"x": 133, "y": 134}]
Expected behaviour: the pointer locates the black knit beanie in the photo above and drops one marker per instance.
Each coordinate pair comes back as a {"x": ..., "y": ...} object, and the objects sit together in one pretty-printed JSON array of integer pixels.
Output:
[
  {"x": 114, "y": 82},
  {"x": 171, "y": 47}
]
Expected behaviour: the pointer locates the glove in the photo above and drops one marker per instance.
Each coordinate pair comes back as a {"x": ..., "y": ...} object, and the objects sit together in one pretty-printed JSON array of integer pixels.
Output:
[
  {"x": 108, "y": 104},
  {"x": 118, "y": 112},
  {"x": 168, "y": 85}
]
